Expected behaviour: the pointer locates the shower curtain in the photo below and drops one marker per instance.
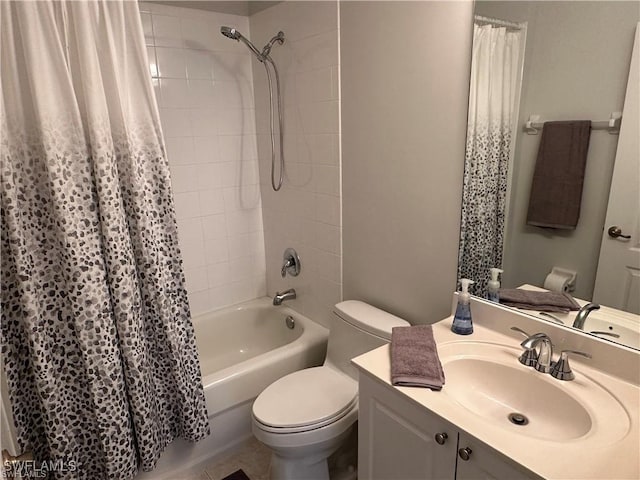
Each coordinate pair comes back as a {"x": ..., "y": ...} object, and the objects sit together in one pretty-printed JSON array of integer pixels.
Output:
[
  {"x": 97, "y": 340},
  {"x": 494, "y": 69}
]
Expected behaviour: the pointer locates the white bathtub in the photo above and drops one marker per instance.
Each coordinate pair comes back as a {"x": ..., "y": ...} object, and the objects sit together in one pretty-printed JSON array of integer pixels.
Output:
[
  {"x": 242, "y": 350},
  {"x": 245, "y": 348}
]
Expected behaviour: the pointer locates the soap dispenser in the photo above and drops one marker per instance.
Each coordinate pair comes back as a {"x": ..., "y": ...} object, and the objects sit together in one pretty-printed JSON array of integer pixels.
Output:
[
  {"x": 462, "y": 324},
  {"x": 493, "y": 286}
]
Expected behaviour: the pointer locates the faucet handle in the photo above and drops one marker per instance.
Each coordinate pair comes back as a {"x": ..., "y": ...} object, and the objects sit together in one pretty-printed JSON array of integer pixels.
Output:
[
  {"x": 561, "y": 369},
  {"x": 530, "y": 355}
]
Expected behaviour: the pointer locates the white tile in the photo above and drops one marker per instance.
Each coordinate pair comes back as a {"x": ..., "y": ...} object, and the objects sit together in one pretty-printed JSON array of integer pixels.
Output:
[
  {"x": 193, "y": 253},
  {"x": 206, "y": 149},
  {"x": 230, "y": 173},
  {"x": 174, "y": 92},
  {"x": 328, "y": 209},
  {"x": 187, "y": 205},
  {"x": 147, "y": 28},
  {"x": 304, "y": 19},
  {"x": 202, "y": 93},
  {"x": 214, "y": 226},
  {"x": 218, "y": 274},
  {"x": 230, "y": 148},
  {"x": 203, "y": 122},
  {"x": 232, "y": 67},
  {"x": 184, "y": 178},
  {"x": 199, "y": 302},
  {"x": 211, "y": 202},
  {"x": 241, "y": 268},
  {"x": 326, "y": 237},
  {"x": 153, "y": 62},
  {"x": 315, "y": 85},
  {"x": 190, "y": 229},
  {"x": 323, "y": 148},
  {"x": 180, "y": 150},
  {"x": 327, "y": 179},
  {"x": 167, "y": 31},
  {"x": 236, "y": 93},
  {"x": 171, "y": 62},
  {"x": 196, "y": 279},
  {"x": 319, "y": 117},
  {"x": 175, "y": 122},
  {"x": 216, "y": 251},
  {"x": 316, "y": 52},
  {"x": 199, "y": 64},
  {"x": 197, "y": 33},
  {"x": 329, "y": 266},
  {"x": 236, "y": 121},
  {"x": 208, "y": 176},
  {"x": 238, "y": 245}
]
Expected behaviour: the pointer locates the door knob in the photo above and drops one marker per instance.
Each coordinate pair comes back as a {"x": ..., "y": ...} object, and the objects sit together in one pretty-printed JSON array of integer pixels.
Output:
[{"x": 616, "y": 232}]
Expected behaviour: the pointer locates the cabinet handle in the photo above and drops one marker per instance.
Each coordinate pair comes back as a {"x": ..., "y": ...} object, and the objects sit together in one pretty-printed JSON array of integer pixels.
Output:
[
  {"x": 441, "y": 438},
  {"x": 465, "y": 453}
]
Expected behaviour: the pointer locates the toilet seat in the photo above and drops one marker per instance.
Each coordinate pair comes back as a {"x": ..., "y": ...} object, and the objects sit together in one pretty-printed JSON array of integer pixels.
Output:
[{"x": 305, "y": 400}]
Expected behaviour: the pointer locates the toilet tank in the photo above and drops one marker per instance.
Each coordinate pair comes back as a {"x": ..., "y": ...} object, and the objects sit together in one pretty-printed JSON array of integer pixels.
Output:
[{"x": 358, "y": 328}]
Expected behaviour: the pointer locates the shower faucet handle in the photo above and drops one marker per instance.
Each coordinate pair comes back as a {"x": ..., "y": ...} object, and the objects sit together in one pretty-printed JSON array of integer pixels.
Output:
[{"x": 291, "y": 263}]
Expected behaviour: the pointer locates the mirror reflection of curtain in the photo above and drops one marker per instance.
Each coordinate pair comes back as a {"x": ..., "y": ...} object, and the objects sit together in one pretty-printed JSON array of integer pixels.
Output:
[
  {"x": 97, "y": 340},
  {"x": 493, "y": 88}
]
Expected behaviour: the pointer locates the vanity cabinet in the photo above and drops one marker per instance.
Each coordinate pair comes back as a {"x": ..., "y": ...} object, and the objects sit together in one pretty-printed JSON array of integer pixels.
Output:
[{"x": 401, "y": 440}]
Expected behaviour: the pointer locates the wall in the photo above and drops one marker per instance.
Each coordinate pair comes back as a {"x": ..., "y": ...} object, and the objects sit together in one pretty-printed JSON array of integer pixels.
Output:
[
  {"x": 204, "y": 88},
  {"x": 305, "y": 213},
  {"x": 405, "y": 82},
  {"x": 576, "y": 67}
]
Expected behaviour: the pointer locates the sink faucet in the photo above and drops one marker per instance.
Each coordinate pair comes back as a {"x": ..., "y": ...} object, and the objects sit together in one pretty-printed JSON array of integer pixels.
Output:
[
  {"x": 583, "y": 314},
  {"x": 544, "y": 363},
  {"x": 286, "y": 295}
]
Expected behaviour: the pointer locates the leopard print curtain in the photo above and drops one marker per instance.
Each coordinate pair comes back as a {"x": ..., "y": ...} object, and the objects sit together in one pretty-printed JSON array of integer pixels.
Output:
[
  {"x": 97, "y": 341},
  {"x": 494, "y": 69}
]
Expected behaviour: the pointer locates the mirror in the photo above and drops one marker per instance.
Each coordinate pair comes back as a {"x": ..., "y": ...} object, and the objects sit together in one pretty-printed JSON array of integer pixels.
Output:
[{"x": 562, "y": 61}]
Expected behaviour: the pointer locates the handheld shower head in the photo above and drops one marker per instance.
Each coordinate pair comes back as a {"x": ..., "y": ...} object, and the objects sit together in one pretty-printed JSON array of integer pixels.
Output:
[
  {"x": 231, "y": 33},
  {"x": 234, "y": 34}
]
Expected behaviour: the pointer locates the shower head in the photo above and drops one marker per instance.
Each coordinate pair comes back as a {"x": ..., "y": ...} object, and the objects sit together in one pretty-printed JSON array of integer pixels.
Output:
[
  {"x": 234, "y": 34},
  {"x": 231, "y": 33}
]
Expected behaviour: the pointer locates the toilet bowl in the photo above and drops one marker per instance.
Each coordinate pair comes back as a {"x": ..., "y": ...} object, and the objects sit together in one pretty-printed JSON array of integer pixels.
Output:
[{"x": 306, "y": 416}]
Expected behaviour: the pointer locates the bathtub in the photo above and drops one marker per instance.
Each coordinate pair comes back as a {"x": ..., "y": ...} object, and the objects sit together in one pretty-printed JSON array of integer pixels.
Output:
[
  {"x": 245, "y": 348},
  {"x": 242, "y": 349}
]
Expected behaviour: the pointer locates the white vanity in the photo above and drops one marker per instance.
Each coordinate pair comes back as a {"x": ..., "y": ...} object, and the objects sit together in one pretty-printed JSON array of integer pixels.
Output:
[{"x": 586, "y": 428}]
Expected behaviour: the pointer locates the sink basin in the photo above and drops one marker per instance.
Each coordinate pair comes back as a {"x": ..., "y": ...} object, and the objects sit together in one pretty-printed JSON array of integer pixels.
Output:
[
  {"x": 627, "y": 336},
  {"x": 496, "y": 391},
  {"x": 488, "y": 381}
]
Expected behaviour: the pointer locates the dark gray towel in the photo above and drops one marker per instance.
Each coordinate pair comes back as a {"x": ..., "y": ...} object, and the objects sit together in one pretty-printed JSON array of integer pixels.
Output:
[
  {"x": 541, "y": 301},
  {"x": 556, "y": 190},
  {"x": 414, "y": 358}
]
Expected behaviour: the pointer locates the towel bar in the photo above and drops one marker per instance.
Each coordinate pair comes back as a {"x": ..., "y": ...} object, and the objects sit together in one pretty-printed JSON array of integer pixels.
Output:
[{"x": 533, "y": 126}]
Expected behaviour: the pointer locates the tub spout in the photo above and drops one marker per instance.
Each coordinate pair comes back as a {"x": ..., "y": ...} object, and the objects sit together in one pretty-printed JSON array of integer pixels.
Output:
[{"x": 286, "y": 295}]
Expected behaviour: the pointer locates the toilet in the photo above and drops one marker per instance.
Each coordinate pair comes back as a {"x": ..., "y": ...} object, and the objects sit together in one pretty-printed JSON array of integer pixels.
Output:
[{"x": 306, "y": 416}]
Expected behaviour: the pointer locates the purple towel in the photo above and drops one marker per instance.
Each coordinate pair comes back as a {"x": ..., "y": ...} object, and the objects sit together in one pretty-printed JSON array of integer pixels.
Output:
[
  {"x": 414, "y": 358},
  {"x": 541, "y": 301},
  {"x": 556, "y": 190}
]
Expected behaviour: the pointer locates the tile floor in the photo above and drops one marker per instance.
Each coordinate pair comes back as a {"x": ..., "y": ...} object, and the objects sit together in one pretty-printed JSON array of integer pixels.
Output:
[{"x": 250, "y": 456}]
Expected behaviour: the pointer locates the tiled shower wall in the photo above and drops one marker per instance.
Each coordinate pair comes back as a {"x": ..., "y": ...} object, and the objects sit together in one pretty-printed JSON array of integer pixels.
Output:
[
  {"x": 306, "y": 213},
  {"x": 204, "y": 88}
]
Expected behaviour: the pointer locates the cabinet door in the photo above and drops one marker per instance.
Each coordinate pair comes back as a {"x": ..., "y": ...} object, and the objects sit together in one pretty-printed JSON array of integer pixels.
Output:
[
  {"x": 396, "y": 439},
  {"x": 485, "y": 463}
]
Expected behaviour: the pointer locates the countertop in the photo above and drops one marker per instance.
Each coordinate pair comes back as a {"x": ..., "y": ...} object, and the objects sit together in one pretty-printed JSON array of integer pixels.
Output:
[{"x": 583, "y": 458}]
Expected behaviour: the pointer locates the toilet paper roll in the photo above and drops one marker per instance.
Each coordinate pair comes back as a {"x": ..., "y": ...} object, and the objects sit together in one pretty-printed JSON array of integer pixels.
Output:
[{"x": 557, "y": 282}]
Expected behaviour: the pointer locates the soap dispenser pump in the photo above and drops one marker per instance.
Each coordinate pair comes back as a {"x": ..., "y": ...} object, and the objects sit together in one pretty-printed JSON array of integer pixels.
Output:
[
  {"x": 462, "y": 324},
  {"x": 493, "y": 286}
]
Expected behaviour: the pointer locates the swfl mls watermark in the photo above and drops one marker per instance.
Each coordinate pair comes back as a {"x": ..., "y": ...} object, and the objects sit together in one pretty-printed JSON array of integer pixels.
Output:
[{"x": 34, "y": 469}]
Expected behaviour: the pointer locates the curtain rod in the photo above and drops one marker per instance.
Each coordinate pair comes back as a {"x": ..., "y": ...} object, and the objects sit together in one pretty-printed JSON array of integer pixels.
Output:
[{"x": 498, "y": 22}]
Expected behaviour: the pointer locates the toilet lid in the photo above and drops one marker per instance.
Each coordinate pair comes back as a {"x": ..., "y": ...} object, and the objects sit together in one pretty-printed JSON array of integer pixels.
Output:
[{"x": 306, "y": 397}]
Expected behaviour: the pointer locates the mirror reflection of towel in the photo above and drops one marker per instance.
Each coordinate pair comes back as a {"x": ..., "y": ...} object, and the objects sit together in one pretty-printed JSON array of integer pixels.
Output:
[{"x": 556, "y": 190}]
